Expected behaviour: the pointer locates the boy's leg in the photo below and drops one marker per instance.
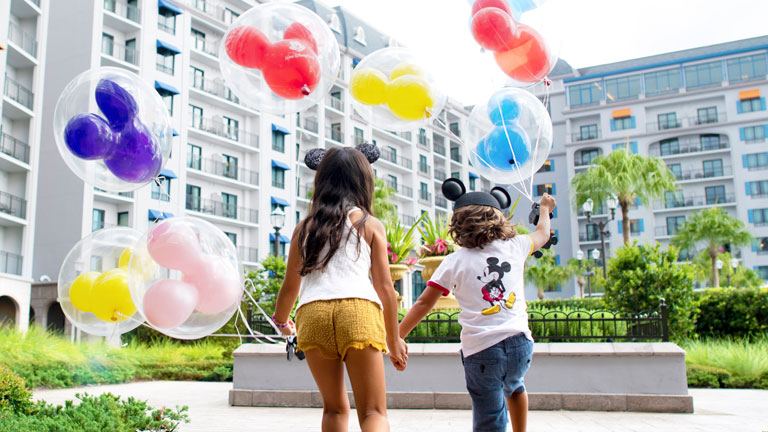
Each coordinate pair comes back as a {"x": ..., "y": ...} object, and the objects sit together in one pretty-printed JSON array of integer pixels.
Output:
[
  {"x": 518, "y": 410},
  {"x": 329, "y": 376},
  {"x": 366, "y": 374},
  {"x": 484, "y": 373}
]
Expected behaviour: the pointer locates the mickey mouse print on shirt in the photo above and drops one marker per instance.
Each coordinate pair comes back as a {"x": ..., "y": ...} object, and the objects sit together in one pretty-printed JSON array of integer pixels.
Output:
[{"x": 493, "y": 289}]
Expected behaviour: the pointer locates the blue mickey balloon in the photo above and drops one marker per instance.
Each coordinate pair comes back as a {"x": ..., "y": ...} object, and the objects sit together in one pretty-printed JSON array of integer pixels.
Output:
[
  {"x": 117, "y": 104},
  {"x": 502, "y": 108},
  {"x": 505, "y": 148},
  {"x": 89, "y": 137},
  {"x": 520, "y": 6}
]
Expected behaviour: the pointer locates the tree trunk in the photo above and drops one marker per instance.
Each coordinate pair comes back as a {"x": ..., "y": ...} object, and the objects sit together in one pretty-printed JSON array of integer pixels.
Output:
[
  {"x": 715, "y": 276},
  {"x": 625, "y": 226},
  {"x": 540, "y": 293},
  {"x": 580, "y": 282}
]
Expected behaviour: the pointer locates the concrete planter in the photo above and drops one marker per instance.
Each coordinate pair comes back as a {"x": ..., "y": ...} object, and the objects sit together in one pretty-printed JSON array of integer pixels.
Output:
[
  {"x": 397, "y": 271},
  {"x": 430, "y": 265}
]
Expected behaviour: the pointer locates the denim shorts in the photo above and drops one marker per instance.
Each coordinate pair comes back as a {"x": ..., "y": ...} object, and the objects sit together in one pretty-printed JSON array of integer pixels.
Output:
[{"x": 493, "y": 374}]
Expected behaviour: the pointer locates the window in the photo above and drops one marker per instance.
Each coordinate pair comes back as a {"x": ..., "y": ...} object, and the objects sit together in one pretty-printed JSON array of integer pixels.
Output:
[
  {"x": 541, "y": 189},
  {"x": 424, "y": 192},
  {"x": 110, "y": 5},
  {"x": 97, "y": 219},
  {"x": 359, "y": 136},
  {"x": 166, "y": 21},
  {"x": 472, "y": 183},
  {"x": 757, "y": 188},
  {"x": 165, "y": 61},
  {"x": 623, "y": 88},
  {"x": 548, "y": 166},
  {"x": 707, "y": 115},
  {"x": 230, "y": 205},
  {"x": 763, "y": 271},
  {"x": 755, "y": 161},
  {"x": 713, "y": 168},
  {"x": 199, "y": 38},
  {"x": 197, "y": 116},
  {"x": 108, "y": 44},
  {"x": 298, "y": 217},
  {"x": 704, "y": 75},
  {"x": 710, "y": 142},
  {"x": 336, "y": 132},
  {"x": 130, "y": 51},
  {"x": 392, "y": 154},
  {"x": 278, "y": 141},
  {"x": 232, "y": 237},
  {"x": 669, "y": 147},
  {"x": 168, "y": 99},
  {"x": 455, "y": 154},
  {"x": 746, "y": 68},
  {"x": 668, "y": 121},
  {"x": 392, "y": 182},
  {"x": 715, "y": 194},
  {"x": 360, "y": 35},
  {"x": 230, "y": 16},
  {"x": 636, "y": 226},
  {"x": 162, "y": 191},
  {"x": 751, "y": 105},
  {"x": 587, "y": 156},
  {"x": 230, "y": 166},
  {"x": 278, "y": 178},
  {"x": 194, "y": 156},
  {"x": 423, "y": 136},
  {"x": 588, "y": 132},
  {"x": 585, "y": 94},
  {"x": 122, "y": 219},
  {"x": 760, "y": 245},
  {"x": 593, "y": 232},
  {"x": 419, "y": 285},
  {"x": 198, "y": 78},
  {"x": 677, "y": 170},
  {"x": 753, "y": 133},
  {"x": 454, "y": 127},
  {"x": 674, "y": 223},
  {"x": 674, "y": 199},
  {"x": 758, "y": 216},
  {"x": 661, "y": 82},
  {"x": 423, "y": 166},
  {"x": 193, "y": 198},
  {"x": 231, "y": 128},
  {"x": 622, "y": 123}
]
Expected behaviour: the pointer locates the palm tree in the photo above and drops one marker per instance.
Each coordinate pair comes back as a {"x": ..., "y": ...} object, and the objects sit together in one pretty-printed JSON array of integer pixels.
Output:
[
  {"x": 627, "y": 176},
  {"x": 740, "y": 277},
  {"x": 547, "y": 274},
  {"x": 383, "y": 208},
  {"x": 712, "y": 228}
]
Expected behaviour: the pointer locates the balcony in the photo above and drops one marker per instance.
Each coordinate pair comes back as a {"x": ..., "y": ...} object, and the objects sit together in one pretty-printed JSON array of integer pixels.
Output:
[
  {"x": 424, "y": 169},
  {"x": 702, "y": 174},
  {"x": 336, "y": 103},
  {"x": 425, "y": 197},
  {"x": 222, "y": 169},
  {"x": 307, "y": 124},
  {"x": 695, "y": 201},
  {"x": 685, "y": 147},
  {"x": 304, "y": 192},
  {"x": 585, "y": 237},
  {"x": 406, "y": 219},
  {"x": 455, "y": 154},
  {"x": 440, "y": 175},
  {"x": 392, "y": 157},
  {"x": 216, "y": 88},
  {"x": 219, "y": 208},
  {"x": 586, "y": 135},
  {"x": 666, "y": 231},
  {"x": 334, "y": 135},
  {"x": 123, "y": 10},
  {"x": 208, "y": 8},
  {"x": 686, "y": 122},
  {"x": 439, "y": 148},
  {"x": 206, "y": 46},
  {"x": 423, "y": 142},
  {"x": 217, "y": 127},
  {"x": 248, "y": 254},
  {"x": 18, "y": 92},
  {"x": 161, "y": 196},
  {"x": 400, "y": 189},
  {"x": 441, "y": 202},
  {"x": 14, "y": 148},
  {"x": 120, "y": 53},
  {"x": 22, "y": 39},
  {"x": 13, "y": 205},
  {"x": 10, "y": 263}
]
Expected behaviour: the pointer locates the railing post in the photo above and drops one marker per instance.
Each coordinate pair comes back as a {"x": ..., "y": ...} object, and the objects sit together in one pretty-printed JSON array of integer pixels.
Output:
[{"x": 664, "y": 322}]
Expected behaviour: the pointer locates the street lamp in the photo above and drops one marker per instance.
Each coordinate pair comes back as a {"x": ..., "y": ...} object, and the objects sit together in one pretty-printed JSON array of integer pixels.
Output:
[
  {"x": 734, "y": 265},
  {"x": 718, "y": 266},
  {"x": 277, "y": 217},
  {"x": 588, "y": 206}
]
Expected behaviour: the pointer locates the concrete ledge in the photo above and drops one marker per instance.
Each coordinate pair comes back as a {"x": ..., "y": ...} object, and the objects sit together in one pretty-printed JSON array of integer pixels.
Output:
[{"x": 537, "y": 401}]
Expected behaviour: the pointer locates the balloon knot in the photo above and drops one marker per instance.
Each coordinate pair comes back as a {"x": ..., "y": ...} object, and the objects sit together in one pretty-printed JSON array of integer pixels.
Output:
[
  {"x": 511, "y": 161},
  {"x": 428, "y": 112},
  {"x": 305, "y": 90},
  {"x": 547, "y": 82}
]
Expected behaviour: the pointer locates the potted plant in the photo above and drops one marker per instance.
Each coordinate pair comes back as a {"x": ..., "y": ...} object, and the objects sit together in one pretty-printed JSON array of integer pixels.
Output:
[
  {"x": 436, "y": 245},
  {"x": 400, "y": 243}
]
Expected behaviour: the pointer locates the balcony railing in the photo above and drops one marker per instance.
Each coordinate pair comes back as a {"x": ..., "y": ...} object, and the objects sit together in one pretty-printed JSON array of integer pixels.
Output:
[
  {"x": 214, "y": 87},
  {"x": 662, "y": 231},
  {"x": 686, "y": 147},
  {"x": 14, "y": 148},
  {"x": 124, "y": 10},
  {"x": 439, "y": 148},
  {"x": 305, "y": 191},
  {"x": 223, "y": 169},
  {"x": 586, "y": 136},
  {"x": 423, "y": 141},
  {"x": 162, "y": 196},
  {"x": 425, "y": 197},
  {"x": 424, "y": 168},
  {"x": 336, "y": 103},
  {"x": 207, "y": 46},
  {"x": 219, "y": 208},
  {"x": 162, "y": 25},
  {"x": 26, "y": 41},
  {"x": 390, "y": 156},
  {"x": 400, "y": 189},
  {"x": 589, "y": 236},
  {"x": 10, "y": 263},
  {"x": 455, "y": 154},
  {"x": 686, "y": 122},
  {"x": 248, "y": 254},
  {"x": 211, "y": 9},
  {"x": 441, "y": 202},
  {"x": 334, "y": 135},
  {"x": 18, "y": 92},
  {"x": 707, "y": 119},
  {"x": 440, "y": 175},
  {"x": 307, "y": 124},
  {"x": 406, "y": 219},
  {"x": 217, "y": 127},
  {"x": 700, "y": 174},
  {"x": 122, "y": 194},
  {"x": 696, "y": 201},
  {"x": 122, "y": 53},
  {"x": 13, "y": 205}
]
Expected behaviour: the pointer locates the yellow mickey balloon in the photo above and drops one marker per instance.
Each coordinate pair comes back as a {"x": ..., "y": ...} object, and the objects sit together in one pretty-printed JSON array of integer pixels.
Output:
[
  {"x": 409, "y": 97},
  {"x": 405, "y": 69},
  {"x": 369, "y": 86},
  {"x": 141, "y": 265},
  {"x": 80, "y": 291},
  {"x": 111, "y": 298}
]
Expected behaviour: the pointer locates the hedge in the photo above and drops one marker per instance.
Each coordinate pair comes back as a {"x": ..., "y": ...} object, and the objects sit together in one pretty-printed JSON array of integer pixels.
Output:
[{"x": 732, "y": 312}]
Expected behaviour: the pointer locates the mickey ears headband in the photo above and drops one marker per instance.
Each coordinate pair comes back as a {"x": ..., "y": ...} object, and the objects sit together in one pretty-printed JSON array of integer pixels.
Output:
[
  {"x": 454, "y": 190},
  {"x": 315, "y": 156}
]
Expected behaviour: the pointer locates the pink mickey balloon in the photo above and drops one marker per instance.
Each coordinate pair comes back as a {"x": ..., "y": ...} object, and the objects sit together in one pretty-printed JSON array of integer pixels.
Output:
[
  {"x": 169, "y": 303},
  {"x": 218, "y": 285},
  {"x": 174, "y": 245}
]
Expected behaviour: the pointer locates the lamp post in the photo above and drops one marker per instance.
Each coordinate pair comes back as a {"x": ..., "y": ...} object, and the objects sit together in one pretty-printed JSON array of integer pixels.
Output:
[
  {"x": 718, "y": 266},
  {"x": 588, "y": 206},
  {"x": 277, "y": 217},
  {"x": 734, "y": 265}
]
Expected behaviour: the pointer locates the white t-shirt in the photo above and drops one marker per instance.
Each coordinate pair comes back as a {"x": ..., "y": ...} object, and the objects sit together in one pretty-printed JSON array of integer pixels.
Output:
[{"x": 488, "y": 284}]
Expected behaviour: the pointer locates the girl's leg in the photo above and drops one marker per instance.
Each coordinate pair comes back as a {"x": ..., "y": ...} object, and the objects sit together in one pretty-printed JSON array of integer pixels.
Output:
[
  {"x": 366, "y": 374},
  {"x": 518, "y": 410},
  {"x": 329, "y": 376}
]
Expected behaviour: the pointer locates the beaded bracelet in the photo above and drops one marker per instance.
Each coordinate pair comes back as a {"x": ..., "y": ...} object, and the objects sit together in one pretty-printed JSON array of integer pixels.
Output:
[{"x": 280, "y": 325}]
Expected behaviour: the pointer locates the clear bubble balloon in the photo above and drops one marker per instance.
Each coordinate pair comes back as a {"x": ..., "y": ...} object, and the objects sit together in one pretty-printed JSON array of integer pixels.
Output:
[
  {"x": 279, "y": 58},
  {"x": 94, "y": 287},
  {"x": 509, "y": 137},
  {"x": 392, "y": 89},
  {"x": 112, "y": 129},
  {"x": 199, "y": 284}
]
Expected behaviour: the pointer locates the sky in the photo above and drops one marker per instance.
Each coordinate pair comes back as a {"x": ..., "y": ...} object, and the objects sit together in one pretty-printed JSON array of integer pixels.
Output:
[{"x": 582, "y": 32}]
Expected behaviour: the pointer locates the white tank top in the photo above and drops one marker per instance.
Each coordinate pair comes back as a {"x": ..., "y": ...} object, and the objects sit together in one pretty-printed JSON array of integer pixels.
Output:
[{"x": 347, "y": 274}]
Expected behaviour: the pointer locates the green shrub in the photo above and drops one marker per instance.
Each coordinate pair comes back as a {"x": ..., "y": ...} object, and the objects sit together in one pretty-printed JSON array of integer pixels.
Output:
[
  {"x": 640, "y": 275},
  {"x": 745, "y": 360},
  {"x": 585, "y": 304},
  {"x": 94, "y": 413},
  {"x": 14, "y": 395},
  {"x": 732, "y": 312},
  {"x": 708, "y": 377}
]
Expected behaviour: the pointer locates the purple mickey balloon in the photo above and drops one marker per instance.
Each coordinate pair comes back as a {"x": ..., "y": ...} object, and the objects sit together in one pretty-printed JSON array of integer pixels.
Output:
[
  {"x": 117, "y": 104},
  {"x": 89, "y": 137},
  {"x": 137, "y": 157}
]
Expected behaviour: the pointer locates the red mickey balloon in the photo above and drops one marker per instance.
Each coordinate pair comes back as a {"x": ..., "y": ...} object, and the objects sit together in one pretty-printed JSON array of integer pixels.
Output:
[
  {"x": 482, "y": 4},
  {"x": 246, "y": 46},
  {"x": 298, "y": 31},
  {"x": 528, "y": 58},
  {"x": 493, "y": 29},
  {"x": 291, "y": 69}
]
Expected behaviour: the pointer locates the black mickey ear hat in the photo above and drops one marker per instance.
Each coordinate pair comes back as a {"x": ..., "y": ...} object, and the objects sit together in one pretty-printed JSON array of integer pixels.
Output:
[
  {"x": 454, "y": 190},
  {"x": 313, "y": 157}
]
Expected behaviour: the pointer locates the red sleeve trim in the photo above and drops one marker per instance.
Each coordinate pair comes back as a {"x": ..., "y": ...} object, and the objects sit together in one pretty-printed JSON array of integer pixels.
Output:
[{"x": 445, "y": 290}]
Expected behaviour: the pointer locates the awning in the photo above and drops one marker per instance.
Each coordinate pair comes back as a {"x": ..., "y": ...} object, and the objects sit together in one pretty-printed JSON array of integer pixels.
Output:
[
  {"x": 175, "y": 133},
  {"x": 280, "y": 201},
  {"x": 168, "y": 47},
  {"x": 168, "y": 174},
  {"x": 619, "y": 113},
  {"x": 165, "y": 4},
  {"x": 749, "y": 94},
  {"x": 473, "y": 175},
  {"x": 278, "y": 164},
  {"x": 155, "y": 215},
  {"x": 355, "y": 61},
  {"x": 283, "y": 239},
  {"x": 167, "y": 215},
  {"x": 166, "y": 88},
  {"x": 280, "y": 129}
]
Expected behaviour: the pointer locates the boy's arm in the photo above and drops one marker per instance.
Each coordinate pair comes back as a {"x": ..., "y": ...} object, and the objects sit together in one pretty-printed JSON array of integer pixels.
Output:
[
  {"x": 541, "y": 235},
  {"x": 420, "y": 309}
]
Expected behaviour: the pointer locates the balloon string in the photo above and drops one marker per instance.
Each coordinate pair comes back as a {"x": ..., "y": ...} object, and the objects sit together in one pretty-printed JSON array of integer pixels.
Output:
[
  {"x": 538, "y": 135},
  {"x": 514, "y": 156}
]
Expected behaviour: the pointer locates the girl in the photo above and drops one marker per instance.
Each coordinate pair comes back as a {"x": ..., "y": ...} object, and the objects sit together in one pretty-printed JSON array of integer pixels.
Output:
[
  {"x": 487, "y": 278},
  {"x": 339, "y": 318}
]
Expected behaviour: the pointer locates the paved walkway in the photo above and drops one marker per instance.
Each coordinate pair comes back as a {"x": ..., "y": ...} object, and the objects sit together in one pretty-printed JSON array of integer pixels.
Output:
[{"x": 715, "y": 410}]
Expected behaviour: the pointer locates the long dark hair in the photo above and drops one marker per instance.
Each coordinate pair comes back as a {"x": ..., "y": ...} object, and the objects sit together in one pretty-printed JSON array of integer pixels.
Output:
[{"x": 344, "y": 179}]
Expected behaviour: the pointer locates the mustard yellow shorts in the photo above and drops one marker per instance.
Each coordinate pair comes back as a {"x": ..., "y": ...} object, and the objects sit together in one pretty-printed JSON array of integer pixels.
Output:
[{"x": 334, "y": 326}]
